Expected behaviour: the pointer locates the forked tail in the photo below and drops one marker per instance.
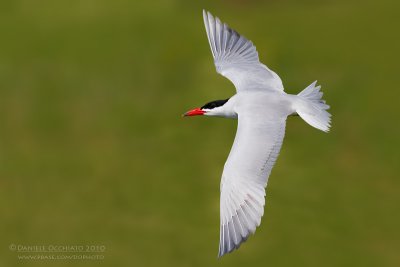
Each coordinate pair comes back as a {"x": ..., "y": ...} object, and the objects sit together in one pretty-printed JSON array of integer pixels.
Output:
[{"x": 312, "y": 108}]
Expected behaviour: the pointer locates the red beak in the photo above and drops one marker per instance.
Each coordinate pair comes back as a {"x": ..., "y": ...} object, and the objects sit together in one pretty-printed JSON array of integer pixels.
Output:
[{"x": 194, "y": 112}]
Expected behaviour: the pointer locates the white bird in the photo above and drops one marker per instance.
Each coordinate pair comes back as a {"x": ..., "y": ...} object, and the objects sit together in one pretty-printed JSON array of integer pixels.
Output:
[{"x": 261, "y": 107}]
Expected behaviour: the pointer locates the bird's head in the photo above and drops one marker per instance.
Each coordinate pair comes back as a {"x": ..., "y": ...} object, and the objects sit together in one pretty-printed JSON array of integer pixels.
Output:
[{"x": 213, "y": 108}]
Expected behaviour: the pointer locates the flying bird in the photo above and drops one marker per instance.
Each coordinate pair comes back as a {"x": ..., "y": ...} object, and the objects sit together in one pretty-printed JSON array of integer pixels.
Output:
[{"x": 261, "y": 107}]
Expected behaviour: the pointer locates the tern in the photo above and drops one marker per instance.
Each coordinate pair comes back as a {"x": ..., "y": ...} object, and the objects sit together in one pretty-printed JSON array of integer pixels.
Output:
[{"x": 261, "y": 107}]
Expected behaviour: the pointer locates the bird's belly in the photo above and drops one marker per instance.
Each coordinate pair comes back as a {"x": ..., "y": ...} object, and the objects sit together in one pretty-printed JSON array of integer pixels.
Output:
[{"x": 268, "y": 104}]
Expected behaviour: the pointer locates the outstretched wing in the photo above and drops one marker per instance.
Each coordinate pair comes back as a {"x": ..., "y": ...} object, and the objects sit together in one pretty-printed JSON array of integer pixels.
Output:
[
  {"x": 254, "y": 152},
  {"x": 236, "y": 58}
]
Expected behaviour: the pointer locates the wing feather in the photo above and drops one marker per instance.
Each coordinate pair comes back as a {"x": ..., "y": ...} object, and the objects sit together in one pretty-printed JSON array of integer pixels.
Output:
[
  {"x": 245, "y": 176},
  {"x": 236, "y": 58}
]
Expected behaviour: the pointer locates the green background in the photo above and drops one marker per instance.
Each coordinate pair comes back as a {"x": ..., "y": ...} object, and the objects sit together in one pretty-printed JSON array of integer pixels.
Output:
[{"x": 93, "y": 149}]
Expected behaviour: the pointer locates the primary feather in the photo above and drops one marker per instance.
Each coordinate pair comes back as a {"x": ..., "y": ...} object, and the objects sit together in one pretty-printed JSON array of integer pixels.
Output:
[{"x": 236, "y": 58}]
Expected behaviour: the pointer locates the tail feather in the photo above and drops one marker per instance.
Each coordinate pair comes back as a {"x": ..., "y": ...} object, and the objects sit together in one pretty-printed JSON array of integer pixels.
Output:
[{"x": 312, "y": 108}]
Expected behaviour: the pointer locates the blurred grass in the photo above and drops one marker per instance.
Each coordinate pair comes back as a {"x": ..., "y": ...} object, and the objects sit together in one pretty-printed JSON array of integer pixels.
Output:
[{"x": 93, "y": 149}]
